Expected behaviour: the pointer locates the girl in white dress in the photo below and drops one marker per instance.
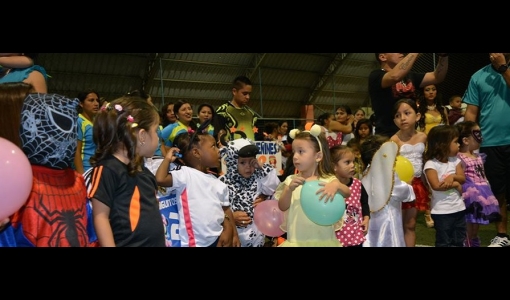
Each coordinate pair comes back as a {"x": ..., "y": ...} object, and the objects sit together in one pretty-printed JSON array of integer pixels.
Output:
[{"x": 411, "y": 144}]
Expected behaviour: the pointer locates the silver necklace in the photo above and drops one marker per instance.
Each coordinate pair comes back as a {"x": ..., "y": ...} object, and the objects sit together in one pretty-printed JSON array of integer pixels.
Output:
[{"x": 431, "y": 107}]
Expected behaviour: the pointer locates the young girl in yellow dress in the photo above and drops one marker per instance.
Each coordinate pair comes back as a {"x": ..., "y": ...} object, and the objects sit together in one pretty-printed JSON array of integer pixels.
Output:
[{"x": 312, "y": 159}]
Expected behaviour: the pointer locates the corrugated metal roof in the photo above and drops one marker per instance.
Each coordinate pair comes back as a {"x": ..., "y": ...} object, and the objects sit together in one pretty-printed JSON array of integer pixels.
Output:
[{"x": 283, "y": 82}]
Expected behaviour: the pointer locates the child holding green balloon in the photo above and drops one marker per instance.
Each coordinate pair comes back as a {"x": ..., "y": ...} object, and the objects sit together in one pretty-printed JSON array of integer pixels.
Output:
[{"x": 313, "y": 164}]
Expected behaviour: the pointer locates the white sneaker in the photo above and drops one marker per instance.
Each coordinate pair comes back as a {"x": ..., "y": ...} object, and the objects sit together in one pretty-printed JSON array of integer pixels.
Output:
[{"x": 500, "y": 242}]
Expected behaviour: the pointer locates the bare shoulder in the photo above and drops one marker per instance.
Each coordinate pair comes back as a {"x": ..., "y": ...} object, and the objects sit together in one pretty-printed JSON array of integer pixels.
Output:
[
  {"x": 421, "y": 136},
  {"x": 395, "y": 139}
]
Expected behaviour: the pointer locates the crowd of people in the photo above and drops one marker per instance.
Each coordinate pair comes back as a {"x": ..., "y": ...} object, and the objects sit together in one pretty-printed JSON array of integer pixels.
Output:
[{"x": 136, "y": 175}]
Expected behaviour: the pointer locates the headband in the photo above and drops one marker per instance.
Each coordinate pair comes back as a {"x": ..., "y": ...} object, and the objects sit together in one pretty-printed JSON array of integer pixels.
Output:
[{"x": 315, "y": 131}]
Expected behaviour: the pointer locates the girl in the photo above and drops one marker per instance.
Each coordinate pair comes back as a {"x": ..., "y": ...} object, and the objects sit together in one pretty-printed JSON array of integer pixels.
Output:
[
  {"x": 330, "y": 128},
  {"x": 205, "y": 218},
  {"x": 411, "y": 145},
  {"x": 433, "y": 113},
  {"x": 358, "y": 115},
  {"x": 124, "y": 204},
  {"x": 359, "y": 167},
  {"x": 85, "y": 147},
  {"x": 249, "y": 182},
  {"x": 445, "y": 177},
  {"x": 312, "y": 159},
  {"x": 481, "y": 205},
  {"x": 363, "y": 130},
  {"x": 357, "y": 213}
]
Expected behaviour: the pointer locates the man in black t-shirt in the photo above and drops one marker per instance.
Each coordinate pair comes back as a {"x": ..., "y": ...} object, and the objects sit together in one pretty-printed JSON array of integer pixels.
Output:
[{"x": 394, "y": 81}]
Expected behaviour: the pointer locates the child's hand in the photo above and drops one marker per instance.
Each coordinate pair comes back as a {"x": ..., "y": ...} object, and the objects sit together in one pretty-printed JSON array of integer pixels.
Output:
[
  {"x": 255, "y": 163},
  {"x": 259, "y": 199},
  {"x": 364, "y": 224},
  {"x": 447, "y": 182},
  {"x": 296, "y": 181},
  {"x": 328, "y": 191},
  {"x": 172, "y": 154},
  {"x": 458, "y": 186}
]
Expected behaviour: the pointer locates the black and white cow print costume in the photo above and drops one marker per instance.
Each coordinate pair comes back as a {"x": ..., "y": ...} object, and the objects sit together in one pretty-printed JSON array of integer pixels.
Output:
[{"x": 243, "y": 191}]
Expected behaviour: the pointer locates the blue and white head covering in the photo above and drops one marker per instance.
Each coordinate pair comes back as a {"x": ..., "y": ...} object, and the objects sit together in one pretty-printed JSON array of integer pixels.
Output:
[{"x": 48, "y": 129}]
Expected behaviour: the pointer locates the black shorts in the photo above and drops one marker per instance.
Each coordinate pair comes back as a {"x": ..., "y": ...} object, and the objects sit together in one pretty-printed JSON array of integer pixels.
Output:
[{"x": 497, "y": 168}]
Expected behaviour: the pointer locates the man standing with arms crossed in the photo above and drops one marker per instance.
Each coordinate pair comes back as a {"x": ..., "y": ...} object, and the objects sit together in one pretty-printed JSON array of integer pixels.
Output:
[{"x": 488, "y": 101}]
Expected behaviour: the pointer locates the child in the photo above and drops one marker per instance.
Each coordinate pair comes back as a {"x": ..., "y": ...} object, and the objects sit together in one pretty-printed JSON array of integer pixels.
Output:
[
  {"x": 55, "y": 213},
  {"x": 359, "y": 167},
  {"x": 482, "y": 207},
  {"x": 313, "y": 161},
  {"x": 12, "y": 95},
  {"x": 249, "y": 182},
  {"x": 124, "y": 204},
  {"x": 411, "y": 143},
  {"x": 357, "y": 212},
  {"x": 386, "y": 193},
  {"x": 445, "y": 177},
  {"x": 455, "y": 113},
  {"x": 205, "y": 218},
  {"x": 363, "y": 130}
]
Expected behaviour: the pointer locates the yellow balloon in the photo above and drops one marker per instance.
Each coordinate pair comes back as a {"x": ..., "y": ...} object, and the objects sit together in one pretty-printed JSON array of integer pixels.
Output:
[{"x": 404, "y": 169}]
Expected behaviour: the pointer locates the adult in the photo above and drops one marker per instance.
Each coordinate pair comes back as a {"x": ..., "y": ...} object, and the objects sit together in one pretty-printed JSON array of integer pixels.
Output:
[
  {"x": 167, "y": 114},
  {"x": 184, "y": 114},
  {"x": 333, "y": 129},
  {"x": 431, "y": 109},
  {"x": 395, "y": 80},
  {"x": 235, "y": 115},
  {"x": 34, "y": 74},
  {"x": 488, "y": 100},
  {"x": 284, "y": 141},
  {"x": 358, "y": 115},
  {"x": 344, "y": 116},
  {"x": 206, "y": 113},
  {"x": 85, "y": 147}
]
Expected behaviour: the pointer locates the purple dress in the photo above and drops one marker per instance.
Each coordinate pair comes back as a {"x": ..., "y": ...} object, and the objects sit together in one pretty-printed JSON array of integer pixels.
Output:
[{"x": 481, "y": 205}]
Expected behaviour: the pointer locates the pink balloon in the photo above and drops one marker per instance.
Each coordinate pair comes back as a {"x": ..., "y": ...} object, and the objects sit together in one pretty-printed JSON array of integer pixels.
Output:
[
  {"x": 268, "y": 218},
  {"x": 15, "y": 178}
]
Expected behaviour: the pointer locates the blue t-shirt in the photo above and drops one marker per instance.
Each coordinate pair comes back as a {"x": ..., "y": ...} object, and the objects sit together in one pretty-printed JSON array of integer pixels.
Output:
[
  {"x": 487, "y": 89},
  {"x": 85, "y": 135},
  {"x": 18, "y": 75}
]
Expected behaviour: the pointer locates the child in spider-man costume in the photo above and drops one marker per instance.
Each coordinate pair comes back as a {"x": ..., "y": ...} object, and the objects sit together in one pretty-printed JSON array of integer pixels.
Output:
[{"x": 55, "y": 214}]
